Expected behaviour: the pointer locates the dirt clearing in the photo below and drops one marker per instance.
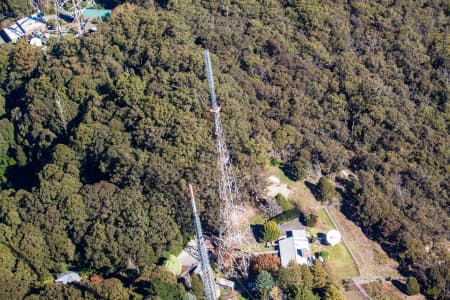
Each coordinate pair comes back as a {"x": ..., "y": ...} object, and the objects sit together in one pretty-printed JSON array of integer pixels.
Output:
[
  {"x": 275, "y": 187},
  {"x": 295, "y": 191}
]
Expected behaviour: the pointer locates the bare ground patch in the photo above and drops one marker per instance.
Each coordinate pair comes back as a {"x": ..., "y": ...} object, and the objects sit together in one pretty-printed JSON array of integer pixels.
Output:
[
  {"x": 276, "y": 187},
  {"x": 295, "y": 191}
]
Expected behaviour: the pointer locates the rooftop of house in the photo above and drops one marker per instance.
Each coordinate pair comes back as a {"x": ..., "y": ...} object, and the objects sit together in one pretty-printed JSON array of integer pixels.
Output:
[
  {"x": 295, "y": 247},
  {"x": 25, "y": 26},
  {"x": 68, "y": 277}
]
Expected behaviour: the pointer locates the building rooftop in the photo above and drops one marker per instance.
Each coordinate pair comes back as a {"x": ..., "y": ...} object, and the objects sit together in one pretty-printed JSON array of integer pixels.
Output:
[
  {"x": 295, "y": 247},
  {"x": 24, "y": 26},
  {"x": 68, "y": 277},
  {"x": 96, "y": 13}
]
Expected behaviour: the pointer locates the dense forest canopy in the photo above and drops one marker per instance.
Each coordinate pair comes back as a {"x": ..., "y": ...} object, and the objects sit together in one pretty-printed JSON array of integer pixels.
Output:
[{"x": 100, "y": 134}]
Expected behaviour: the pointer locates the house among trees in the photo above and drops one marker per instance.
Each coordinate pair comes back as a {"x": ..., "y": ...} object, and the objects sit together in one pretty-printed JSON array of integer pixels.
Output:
[
  {"x": 68, "y": 277},
  {"x": 295, "y": 247},
  {"x": 24, "y": 27}
]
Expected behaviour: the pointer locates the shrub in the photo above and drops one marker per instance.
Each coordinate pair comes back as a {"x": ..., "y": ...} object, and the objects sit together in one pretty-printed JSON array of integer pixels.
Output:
[
  {"x": 283, "y": 202},
  {"x": 268, "y": 262},
  {"x": 432, "y": 292},
  {"x": 271, "y": 232},
  {"x": 326, "y": 191},
  {"x": 412, "y": 286},
  {"x": 309, "y": 220},
  {"x": 325, "y": 255},
  {"x": 287, "y": 216},
  {"x": 173, "y": 265},
  {"x": 275, "y": 162}
]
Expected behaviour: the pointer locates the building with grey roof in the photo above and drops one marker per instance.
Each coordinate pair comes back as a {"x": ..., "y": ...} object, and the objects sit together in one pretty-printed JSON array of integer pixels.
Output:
[{"x": 295, "y": 246}]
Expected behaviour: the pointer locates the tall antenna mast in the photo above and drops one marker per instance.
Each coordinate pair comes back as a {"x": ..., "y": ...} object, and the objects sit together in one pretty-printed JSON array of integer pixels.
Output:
[
  {"x": 233, "y": 226},
  {"x": 209, "y": 288}
]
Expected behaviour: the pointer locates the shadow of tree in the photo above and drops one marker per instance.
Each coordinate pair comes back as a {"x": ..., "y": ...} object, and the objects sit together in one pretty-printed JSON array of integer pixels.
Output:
[
  {"x": 257, "y": 231},
  {"x": 322, "y": 237},
  {"x": 312, "y": 187},
  {"x": 399, "y": 285},
  {"x": 287, "y": 171}
]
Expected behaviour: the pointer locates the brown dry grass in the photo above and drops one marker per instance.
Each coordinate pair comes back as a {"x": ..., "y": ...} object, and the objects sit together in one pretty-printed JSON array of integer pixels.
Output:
[
  {"x": 353, "y": 294},
  {"x": 386, "y": 290},
  {"x": 372, "y": 259}
]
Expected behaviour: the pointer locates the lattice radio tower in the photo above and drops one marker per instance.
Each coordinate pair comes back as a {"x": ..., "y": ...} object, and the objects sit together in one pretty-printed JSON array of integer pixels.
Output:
[
  {"x": 234, "y": 227},
  {"x": 74, "y": 9},
  {"x": 209, "y": 288},
  {"x": 34, "y": 5}
]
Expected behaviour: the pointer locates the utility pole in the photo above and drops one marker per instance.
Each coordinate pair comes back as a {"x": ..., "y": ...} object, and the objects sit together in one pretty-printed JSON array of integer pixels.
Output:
[
  {"x": 234, "y": 227},
  {"x": 209, "y": 287}
]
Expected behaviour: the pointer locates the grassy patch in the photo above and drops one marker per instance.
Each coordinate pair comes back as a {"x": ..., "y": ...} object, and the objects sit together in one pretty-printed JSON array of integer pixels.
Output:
[
  {"x": 323, "y": 224},
  {"x": 258, "y": 247},
  {"x": 379, "y": 257},
  {"x": 275, "y": 171},
  {"x": 371, "y": 257},
  {"x": 258, "y": 219},
  {"x": 340, "y": 262},
  {"x": 325, "y": 221}
]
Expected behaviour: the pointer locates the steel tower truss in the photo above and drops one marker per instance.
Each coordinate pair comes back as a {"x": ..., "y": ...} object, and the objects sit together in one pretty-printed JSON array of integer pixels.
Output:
[
  {"x": 209, "y": 287},
  {"x": 234, "y": 228},
  {"x": 74, "y": 9}
]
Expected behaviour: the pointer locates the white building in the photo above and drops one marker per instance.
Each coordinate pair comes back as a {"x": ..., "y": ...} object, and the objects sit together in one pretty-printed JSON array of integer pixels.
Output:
[
  {"x": 24, "y": 27},
  {"x": 295, "y": 247},
  {"x": 68, "y": 277}
]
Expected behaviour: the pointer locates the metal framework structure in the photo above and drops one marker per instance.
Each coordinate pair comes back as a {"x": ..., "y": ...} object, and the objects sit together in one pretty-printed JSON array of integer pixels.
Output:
[
  {"x": 34, "y": 5},
  {"x": 234, "y": 228},
  {"x": 74, "y": 9},
  {"x": 209, "y": 286}
]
